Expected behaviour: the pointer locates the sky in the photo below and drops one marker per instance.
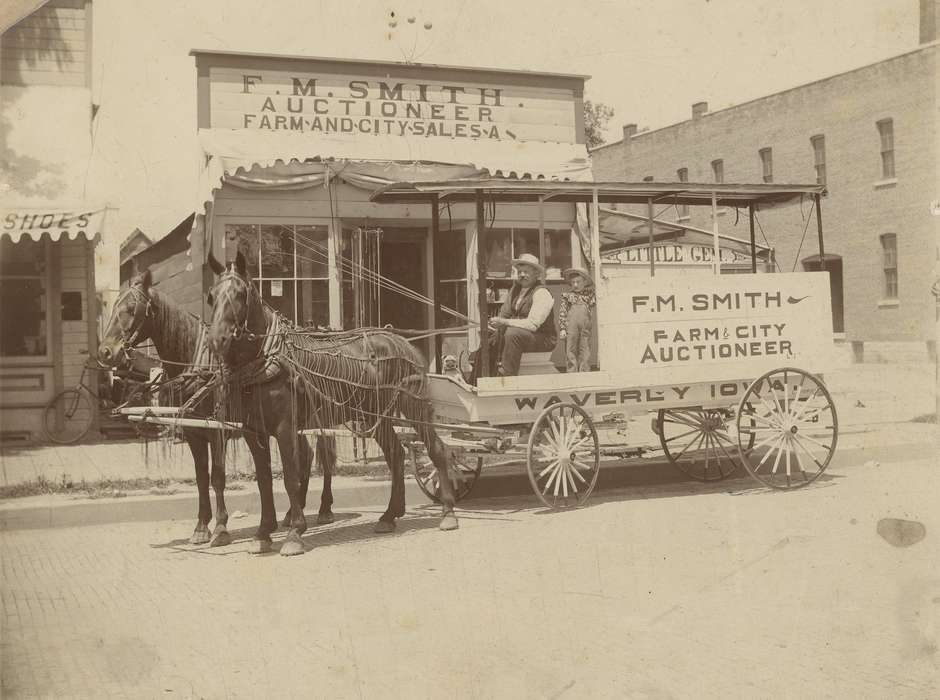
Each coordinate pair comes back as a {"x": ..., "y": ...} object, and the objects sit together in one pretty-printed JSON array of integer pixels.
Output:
[{"x": 649, "y": 60}]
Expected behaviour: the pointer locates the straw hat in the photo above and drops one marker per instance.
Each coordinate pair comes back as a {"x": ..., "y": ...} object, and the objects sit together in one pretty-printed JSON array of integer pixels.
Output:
[
  {"x": 530, "y": 260},
  {"x": 578, "y": 271}
]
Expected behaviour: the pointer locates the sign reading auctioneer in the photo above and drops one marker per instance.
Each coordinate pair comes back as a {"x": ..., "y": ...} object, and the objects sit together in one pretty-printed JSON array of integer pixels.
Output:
[
  {"x": 336, "y": 97},
  {"x": 710, "y": 328}
]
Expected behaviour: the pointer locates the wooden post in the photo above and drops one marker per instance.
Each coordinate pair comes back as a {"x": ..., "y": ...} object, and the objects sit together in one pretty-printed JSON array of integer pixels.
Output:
[
  {"x": 715, "y": 233},
  {"x": 649, "y": 211},
  {"x": 750, "y": 213},
  {"x": 481, "y": 291},
  {"x": 822, "y": 247},
  {"x": 438, "y": 341}
]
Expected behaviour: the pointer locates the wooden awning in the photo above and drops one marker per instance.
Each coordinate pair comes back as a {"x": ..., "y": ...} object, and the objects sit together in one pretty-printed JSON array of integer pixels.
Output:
[{"x": 525, "y": 190}]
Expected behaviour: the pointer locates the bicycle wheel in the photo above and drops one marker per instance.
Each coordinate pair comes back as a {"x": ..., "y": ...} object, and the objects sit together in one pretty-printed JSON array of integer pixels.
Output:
[{"x": 68, "y": 417}]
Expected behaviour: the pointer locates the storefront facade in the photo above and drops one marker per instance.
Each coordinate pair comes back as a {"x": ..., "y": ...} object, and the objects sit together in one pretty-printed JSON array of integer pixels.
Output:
[
  {"x": 295, "y": 147},
  {"x": 48, "y": 311}
]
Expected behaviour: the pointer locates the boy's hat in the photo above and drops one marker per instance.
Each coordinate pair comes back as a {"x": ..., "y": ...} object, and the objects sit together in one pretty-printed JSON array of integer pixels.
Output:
[{"x": 579, "y": 271}]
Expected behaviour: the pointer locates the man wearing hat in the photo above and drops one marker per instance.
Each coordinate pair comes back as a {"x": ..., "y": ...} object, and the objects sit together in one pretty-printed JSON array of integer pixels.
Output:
[
  {"x": 575, "y": 315},
  {"x": 526, "y": 320}
]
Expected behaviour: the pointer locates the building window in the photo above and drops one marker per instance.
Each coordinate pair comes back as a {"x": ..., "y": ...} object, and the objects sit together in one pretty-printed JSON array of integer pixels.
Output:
[
  {"x": 289, "y": 264},
  {"x": 886, "y": 132},
  {"x": 819, "y": 158},
  {"x": 683, "y": 175},
  {"x": 767, "y": 164},
  {"x": 504, "y": 244},
  {"x": 23, "y": 304},
  {"x": 451, "y": 269},
  {"x": 718, "y": 170},
  {"x": 889, "y": 248}
]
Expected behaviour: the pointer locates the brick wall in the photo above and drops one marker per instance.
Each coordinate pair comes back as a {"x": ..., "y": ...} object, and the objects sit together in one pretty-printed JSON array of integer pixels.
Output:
[{"x": 845, "y": 109}]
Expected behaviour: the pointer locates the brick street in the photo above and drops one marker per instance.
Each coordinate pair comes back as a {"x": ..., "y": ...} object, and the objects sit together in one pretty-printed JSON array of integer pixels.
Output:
[{"x": 676, "y": 590}]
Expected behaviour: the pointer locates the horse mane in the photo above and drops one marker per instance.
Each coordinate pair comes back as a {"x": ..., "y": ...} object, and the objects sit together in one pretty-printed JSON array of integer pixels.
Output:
[{"x": 178, "y": 332}]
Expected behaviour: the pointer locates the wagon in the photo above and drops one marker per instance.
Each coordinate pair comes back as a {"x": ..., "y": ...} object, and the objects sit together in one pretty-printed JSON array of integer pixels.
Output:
[{"x": 729, "y": 367}]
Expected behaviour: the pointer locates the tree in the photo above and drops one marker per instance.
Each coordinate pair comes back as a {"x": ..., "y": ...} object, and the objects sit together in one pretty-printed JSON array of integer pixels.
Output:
[{"x": 596, "y": 117}]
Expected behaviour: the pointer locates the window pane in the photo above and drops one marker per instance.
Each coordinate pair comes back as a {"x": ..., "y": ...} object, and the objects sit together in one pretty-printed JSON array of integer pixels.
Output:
[
  {"x": 313, "y": 304},
  {"x": 245, "y": 238},
  {"x": 312, "y": 251},
  {"x": 453, "y": 296},
  {"x": 280, "y": 296},
  {"x": 277, "y": 251},
  {"x": 887, "y": 164},
  {"x": 22, "y": 317},
  {"x": 525, "y": 241},
  {"x": 23, "y": 259},
  {"x": 452, "y": 255},
  {"x": 498, "y": 252},
  {"x": 558, "y": 249}
]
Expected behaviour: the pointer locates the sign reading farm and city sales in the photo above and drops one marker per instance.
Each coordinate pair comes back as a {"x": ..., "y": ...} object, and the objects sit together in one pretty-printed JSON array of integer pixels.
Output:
[
  {"x": 329, "y": 103},
  {"x": 710, "y": 328}
]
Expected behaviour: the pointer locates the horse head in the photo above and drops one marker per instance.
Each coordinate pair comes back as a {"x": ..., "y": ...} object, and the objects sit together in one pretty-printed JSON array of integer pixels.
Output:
[
  {"x": 130, "y": 324},
  {"x": 238, "y": 322}
]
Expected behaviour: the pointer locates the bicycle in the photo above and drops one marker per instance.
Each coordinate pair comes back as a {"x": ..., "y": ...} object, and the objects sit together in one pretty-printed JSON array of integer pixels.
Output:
[{"x": 70, "y": 414}]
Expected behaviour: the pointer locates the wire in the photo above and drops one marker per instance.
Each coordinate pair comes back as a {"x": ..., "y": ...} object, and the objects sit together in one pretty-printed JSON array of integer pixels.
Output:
[{"x": 803, "y": 237}]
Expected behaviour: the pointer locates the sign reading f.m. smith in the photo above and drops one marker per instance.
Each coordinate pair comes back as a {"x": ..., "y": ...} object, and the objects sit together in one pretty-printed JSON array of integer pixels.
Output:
[{"x": 344, "y": 97}]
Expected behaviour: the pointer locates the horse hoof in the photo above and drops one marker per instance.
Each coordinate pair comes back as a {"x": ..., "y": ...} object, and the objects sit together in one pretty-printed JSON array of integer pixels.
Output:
[
  {"x": 325, "y": 518},
  {"x": 199, "y": 536},
  {"x": 259, "y": 546},
  {"x": 384, "y": 526},
  {"x": 293, "y": 545},
  {"x": 220, "y": 538},
  {"x": 449, "y": 522}
]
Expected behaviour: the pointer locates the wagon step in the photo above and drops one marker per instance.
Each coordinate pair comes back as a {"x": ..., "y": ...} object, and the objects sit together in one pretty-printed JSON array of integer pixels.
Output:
[{"x": 206, "y": 423}]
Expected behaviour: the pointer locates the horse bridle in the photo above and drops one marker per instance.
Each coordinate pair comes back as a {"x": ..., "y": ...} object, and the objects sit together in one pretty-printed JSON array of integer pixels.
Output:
[
  {"x": 240, "y": 328},
  {"x": 143, "y": 312}
]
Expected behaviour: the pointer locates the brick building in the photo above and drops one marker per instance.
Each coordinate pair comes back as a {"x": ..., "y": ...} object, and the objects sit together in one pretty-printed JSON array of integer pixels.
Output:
[{"x": 870, "y": 136}]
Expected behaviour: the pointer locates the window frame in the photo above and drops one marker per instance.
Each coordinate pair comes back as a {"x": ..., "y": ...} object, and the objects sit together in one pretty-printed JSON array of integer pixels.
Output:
[
  {"x": 818, "y": 143},
  {"x": 766, "y": 156},
  {"x": 260, "y": 278},
  {"x": 718, "y": 170},
  {"x": 889, "y": 266},
  {"x": 886, "y": 144},
  {"x": 683, "y": 209},
  {"x": 46, "y": 279}
]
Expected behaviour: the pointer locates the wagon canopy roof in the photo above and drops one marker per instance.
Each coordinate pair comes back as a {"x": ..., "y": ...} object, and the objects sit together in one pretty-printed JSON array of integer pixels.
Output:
[{"x": 509, "y": 190}]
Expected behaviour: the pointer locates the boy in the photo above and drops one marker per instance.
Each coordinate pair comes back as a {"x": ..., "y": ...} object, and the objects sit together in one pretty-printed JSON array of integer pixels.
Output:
[{"x": 575, "y": 314}]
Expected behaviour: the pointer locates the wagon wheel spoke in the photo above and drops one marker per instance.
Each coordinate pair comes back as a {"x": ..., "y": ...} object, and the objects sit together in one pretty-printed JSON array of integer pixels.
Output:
[
  {"x": 682, "y": 420},
  {"x": 679, "y": 437},
  {"x": 550, "y": 466},
  {"x": 809, "y": 454},
  {"x": 806, "y": 436}
]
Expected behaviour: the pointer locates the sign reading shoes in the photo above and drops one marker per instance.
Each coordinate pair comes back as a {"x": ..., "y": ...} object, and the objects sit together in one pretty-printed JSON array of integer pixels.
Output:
[{"x": 441, "y": 105}]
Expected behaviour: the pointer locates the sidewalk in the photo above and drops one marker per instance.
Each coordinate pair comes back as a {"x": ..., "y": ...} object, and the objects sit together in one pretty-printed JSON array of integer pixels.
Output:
[{"x": 867, "y": 396}]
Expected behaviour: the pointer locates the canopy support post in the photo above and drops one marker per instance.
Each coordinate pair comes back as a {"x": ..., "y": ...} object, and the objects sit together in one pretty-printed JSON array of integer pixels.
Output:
[
  {"x": 717, "y": 252},
  {"x": 596, "y": 236},
  {"x": 750, "y": 215},
  {"x": 484, "y": 362},
  {"x": 438, "y": 341},
  {"x": 822, "y": 248},
  {"x": 649, "y": 211}
]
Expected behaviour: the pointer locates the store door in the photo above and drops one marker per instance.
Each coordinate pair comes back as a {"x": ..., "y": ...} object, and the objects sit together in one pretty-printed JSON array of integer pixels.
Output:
[{"x": 402, "y": 258}]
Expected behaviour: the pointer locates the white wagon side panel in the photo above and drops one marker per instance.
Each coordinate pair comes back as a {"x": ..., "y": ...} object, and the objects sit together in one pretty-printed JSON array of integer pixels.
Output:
[{"x": 691, "y": 329}]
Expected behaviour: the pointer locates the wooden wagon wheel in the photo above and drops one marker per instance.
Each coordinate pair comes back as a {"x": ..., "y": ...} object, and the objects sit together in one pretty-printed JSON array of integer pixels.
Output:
[
  {"x": 793, "y": 419},
  {"x": 563, "y": 456},
  {"x": 463, "y": 472},
  {"x": 698, "y": 441}
]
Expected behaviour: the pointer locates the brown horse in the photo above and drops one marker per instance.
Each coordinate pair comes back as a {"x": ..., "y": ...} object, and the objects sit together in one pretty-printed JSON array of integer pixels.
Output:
[
  {"x": 141, "y": 313},
  {"x": 319, "y": 380}
]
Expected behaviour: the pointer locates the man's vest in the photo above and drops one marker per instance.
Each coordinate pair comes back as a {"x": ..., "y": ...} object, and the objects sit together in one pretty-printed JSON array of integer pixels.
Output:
[{"x": 509, "y": 309}]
